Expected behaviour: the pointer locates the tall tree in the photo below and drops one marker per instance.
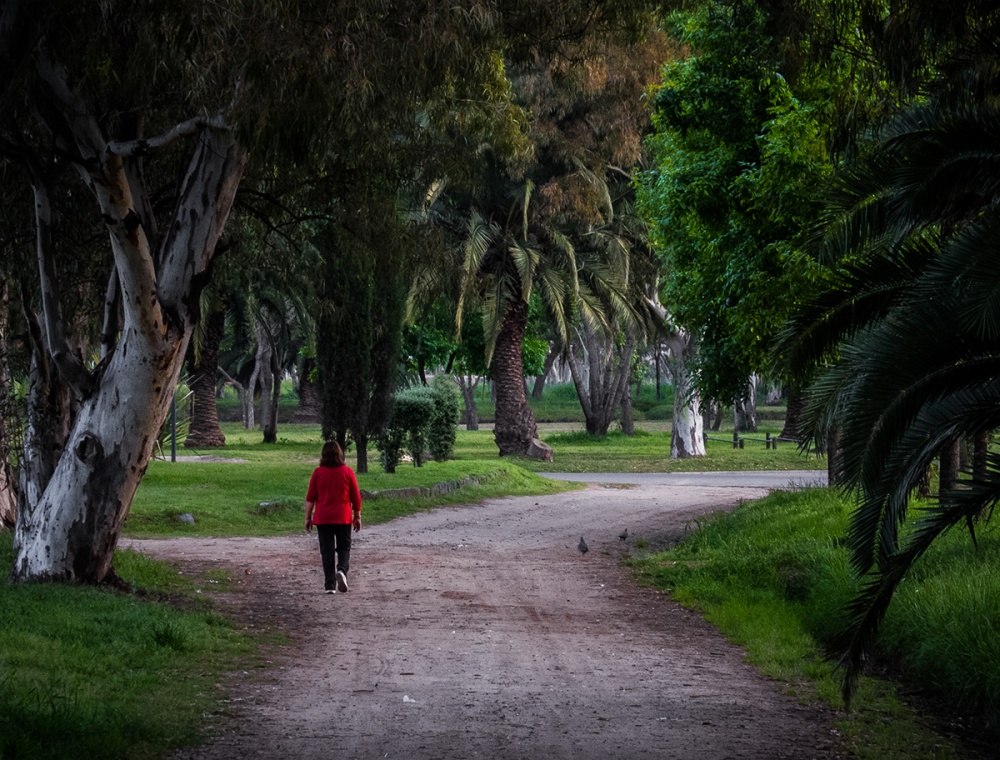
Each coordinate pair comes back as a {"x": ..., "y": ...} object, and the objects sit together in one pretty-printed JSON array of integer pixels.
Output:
[
  {"x": 361, "y": 323},
  {"x": 735, "y": 158}
]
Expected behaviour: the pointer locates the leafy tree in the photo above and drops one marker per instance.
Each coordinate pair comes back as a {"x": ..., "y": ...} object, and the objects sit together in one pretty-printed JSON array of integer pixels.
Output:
[
  {"x": 734, "y": 161},
  {"x": 360, "y": 328}
]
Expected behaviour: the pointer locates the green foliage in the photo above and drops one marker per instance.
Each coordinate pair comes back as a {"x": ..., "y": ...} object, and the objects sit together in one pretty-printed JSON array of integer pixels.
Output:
[
  {"x": 412, "y": 412},
  {"x": 444, "y": 422},
  {"x": 736, "y": 158},
  {"x": 902, "y": 344}
]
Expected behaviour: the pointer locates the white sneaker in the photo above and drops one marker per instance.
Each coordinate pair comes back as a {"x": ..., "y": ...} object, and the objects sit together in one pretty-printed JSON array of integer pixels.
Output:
[
  {"x": 331, "y": 591},
  {"x": 341, "y": 581}
]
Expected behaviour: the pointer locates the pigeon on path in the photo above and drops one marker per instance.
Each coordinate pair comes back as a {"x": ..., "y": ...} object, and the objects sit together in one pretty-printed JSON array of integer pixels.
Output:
[
  {"x": 623, "y": 535},
  {"x": 582, "y": 546}
]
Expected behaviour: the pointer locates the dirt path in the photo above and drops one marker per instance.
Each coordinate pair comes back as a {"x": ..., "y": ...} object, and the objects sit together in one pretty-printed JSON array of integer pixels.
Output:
[{"x": 481, "y": 631}]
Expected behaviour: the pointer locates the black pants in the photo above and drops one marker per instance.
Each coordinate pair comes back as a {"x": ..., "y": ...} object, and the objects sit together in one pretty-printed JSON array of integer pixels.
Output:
[{"x": 335, "y": 549}]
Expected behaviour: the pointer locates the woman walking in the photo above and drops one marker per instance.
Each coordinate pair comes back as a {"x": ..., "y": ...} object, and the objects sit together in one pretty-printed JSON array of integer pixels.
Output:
[{"x": 333, "y": 505}]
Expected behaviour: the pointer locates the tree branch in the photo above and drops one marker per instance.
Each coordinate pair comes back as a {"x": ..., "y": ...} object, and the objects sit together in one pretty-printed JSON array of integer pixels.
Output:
[{"x": 145, "y": 146}]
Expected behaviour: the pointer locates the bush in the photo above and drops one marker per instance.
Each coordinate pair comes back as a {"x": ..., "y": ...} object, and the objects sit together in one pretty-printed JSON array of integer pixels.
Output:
[
  {"x": 660, "y": 412},
  {"x": 444, "y": 422},
  {"x": 412, "y": 411}
]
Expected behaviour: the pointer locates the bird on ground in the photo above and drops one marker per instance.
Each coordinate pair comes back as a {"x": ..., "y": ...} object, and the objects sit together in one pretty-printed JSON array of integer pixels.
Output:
[
  {"x": 623, "y": 535},
  {"x": 582, "y": 546}
]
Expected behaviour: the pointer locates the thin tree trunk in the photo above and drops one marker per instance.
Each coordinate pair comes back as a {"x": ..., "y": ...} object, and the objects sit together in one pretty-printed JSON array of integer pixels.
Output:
[
  {"x": 204, "y": 431},
  {"x": 8, "y": 479},
  {"x": 269, "y": 424},
  {"x": 550, "y": 359},
  {"x": 603, "y": 386},
  {"x": 514, "y": 427},
  {"x": 656, "y": 361},
  {"x": 470, "y": 412},
  {"x": 745, "y": 410},
  {"x": 264, "y": 372},
  {"x": 241, "y": 397},
  {"x": 628, "y": 423}
]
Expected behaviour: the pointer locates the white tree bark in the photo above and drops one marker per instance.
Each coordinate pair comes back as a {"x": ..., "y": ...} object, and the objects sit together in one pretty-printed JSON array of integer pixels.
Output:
[
  {"x": 78, "y": 495},
  {"x": 687, "y": 436},
  {"x": 602, "y": 379}
]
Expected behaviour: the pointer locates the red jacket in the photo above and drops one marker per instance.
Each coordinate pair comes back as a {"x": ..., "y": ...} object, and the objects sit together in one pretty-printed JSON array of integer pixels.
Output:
[{"x": 335, "y": 491}]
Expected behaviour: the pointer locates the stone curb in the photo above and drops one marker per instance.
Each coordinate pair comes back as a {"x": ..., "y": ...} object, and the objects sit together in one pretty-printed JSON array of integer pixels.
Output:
[{"x": 438, "y": 489}]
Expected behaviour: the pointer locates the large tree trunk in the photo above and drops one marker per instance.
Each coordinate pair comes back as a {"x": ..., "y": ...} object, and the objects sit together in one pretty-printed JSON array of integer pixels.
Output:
[
  {"x": 81, "y": 470},
  {"x": 687, "y": 434},
  {"x": 514, "y": 427},
  {"x": 204, "y": 431}
]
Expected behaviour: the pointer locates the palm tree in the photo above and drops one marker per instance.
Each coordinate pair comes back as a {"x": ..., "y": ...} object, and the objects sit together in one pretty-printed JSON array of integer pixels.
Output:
[{"x": 907, "y": 339}]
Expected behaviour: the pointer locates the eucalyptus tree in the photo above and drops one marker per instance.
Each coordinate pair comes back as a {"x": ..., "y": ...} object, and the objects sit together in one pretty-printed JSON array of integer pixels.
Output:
[
  {"x": 147, "y": 116},
  {"x": 904, "y": 345}
]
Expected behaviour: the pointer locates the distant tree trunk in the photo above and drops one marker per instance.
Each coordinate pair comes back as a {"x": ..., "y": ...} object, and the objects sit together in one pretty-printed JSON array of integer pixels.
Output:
[
  {"x": 793, "y": 414},
  {"x": 950, "y": 465},
  {"x": 361, "y": 452},
  {"x": 269, "y": 427},
  {"x": 470, "y": 412},
  {"x": 981, "y": 446},
  {"x": 246, "y": 408},
  {"x": 550, "y": 359},
  {"x": 204, "y": 431},
  {"x": 608, "y": 376},
  {"x": 310, "y": 408},
  {"x": 745, "y": 410},
  {"x": 264, "y": 373},
  {"x": 656, "y": 362},
  {"x": 687, "y": 436},
  {"x": 514, "y": 427},
  {"x": 628, "y": 423},
  {"x": 834, "y": 457}
]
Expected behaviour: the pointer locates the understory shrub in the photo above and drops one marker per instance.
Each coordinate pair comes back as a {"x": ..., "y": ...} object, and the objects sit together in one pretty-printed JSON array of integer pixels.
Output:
[{"x": 444, "y": 421}]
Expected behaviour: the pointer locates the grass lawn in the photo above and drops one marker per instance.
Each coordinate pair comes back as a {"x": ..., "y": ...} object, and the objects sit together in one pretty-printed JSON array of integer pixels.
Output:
[{"x": 774, "y": 576}]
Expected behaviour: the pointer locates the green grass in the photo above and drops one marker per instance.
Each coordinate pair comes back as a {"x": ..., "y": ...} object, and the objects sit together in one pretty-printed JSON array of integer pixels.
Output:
[
  {"x": 774, "y": 576},
  {"x": 90, "y": 673},
  {"x": 264, "y": 495}
]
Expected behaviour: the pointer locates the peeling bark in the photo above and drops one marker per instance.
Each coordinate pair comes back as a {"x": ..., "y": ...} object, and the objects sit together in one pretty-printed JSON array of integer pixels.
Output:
[
  {"x": 687, "y": 434},
  {"x": 87, "y": 444}
]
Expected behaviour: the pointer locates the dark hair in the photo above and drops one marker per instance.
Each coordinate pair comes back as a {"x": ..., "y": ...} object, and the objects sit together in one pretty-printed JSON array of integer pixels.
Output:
[{"x": 332, "y": 456}]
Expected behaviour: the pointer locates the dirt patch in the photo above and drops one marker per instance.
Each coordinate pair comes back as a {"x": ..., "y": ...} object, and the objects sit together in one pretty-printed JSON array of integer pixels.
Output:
[{"x": 481, "y": 631}]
